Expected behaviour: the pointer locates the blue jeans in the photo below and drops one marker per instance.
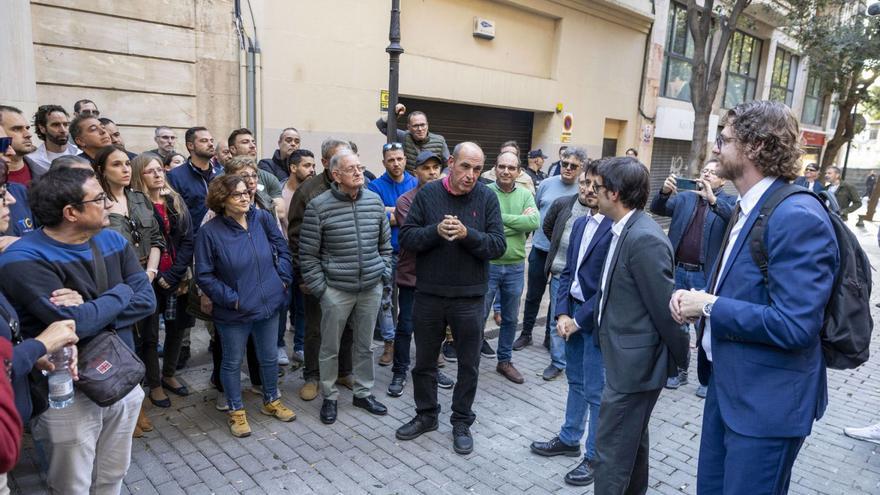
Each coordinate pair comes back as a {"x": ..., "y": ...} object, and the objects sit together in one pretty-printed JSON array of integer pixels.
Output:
[
  {"x": 685, "y": 279},
  {"x": 403, "y": 334},
  {"x": 557, "y": 343},
  {"x": 537, "y": 284},
  {"x": 234, "y": 339},
  {"x": 586, "y": 379},
  {"x": 508, "y": 281}
]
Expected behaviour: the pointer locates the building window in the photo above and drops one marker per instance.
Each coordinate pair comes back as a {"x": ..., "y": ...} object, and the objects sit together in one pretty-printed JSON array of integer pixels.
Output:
[
  {"x": 782, "y": 80},
  {"x": 814, "y": 102},
  {"x": 679, "y": 55},
  {"x": 743, "y": 57}
]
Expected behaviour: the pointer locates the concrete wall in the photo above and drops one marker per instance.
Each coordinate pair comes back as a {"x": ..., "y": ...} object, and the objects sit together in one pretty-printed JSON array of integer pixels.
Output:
[
  {"x": 324, "y": 64},
  {"x": 145, "y": 63}
]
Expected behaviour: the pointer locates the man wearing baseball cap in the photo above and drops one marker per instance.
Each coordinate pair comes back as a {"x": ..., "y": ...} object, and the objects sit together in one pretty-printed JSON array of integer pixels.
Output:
[{"x": 535, "y": 167}]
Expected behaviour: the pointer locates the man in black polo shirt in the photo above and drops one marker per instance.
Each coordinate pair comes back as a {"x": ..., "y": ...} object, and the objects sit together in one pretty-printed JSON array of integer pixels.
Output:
[{"x": 453, "y": 222}]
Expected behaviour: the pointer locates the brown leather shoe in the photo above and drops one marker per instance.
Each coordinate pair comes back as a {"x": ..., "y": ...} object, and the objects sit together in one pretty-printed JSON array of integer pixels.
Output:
[
  {"x": 387, "y": 354},
  {"x": 508, "y": 371}
]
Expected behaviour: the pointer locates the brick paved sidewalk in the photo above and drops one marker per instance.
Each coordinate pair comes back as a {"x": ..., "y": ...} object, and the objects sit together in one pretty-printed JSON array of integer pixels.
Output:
[{"x": 191, "y": 450}]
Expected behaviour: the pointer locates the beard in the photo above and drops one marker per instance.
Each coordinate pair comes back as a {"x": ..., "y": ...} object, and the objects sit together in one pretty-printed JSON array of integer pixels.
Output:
[
  {"x": 58, "y": 140},
  {"x": 729, "y": 170}
]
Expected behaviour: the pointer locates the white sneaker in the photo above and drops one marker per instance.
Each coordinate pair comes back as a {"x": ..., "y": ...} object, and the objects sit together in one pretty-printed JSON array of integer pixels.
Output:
[
  {"x": 283, "y": 360},
  {"x": 222, "y": 405},
  {"x": 868, "y": 433}
]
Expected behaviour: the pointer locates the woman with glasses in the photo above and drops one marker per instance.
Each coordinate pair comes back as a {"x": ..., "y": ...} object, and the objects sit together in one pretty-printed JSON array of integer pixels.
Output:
[
  {"x": 172, "y": 281},
  {"x": 244, "y": 267},
  {"x": 131, "y": 214}
]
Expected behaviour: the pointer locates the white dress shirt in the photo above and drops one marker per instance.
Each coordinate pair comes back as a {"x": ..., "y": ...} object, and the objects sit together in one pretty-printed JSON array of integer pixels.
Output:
[
  {"x": 616, "y": 229},
  {"x": 593, "y": 222},
  {"x": 746, "y": 203}
]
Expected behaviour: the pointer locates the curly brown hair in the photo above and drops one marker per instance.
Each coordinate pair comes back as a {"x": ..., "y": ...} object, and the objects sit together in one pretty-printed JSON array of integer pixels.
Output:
[
  {"x": 219, "y": 191},
  {"x": 770, "y": 135}
]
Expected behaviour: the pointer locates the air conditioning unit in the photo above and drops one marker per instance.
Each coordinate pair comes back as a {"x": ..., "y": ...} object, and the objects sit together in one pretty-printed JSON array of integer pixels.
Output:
[{"x": 484, "y": 28}]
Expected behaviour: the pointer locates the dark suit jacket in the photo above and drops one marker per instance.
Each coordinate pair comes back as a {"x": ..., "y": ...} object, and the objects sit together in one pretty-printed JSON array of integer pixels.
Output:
[
  {"x": 588, "y": 273},
  {"x": 554, "y": 226},
  {"x": 682, "y": 207},
  {"x": 802, "y": 181},
  {"x": 641, "y": 344},
  {"x": 766, "y": 354}
]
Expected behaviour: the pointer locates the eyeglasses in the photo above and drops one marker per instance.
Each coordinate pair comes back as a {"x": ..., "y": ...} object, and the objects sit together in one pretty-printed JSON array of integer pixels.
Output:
[
  {"x": 352, "y": 170},
  {"x": 721, "y": 139},
  {"x": 240, "y": 195},
  {"x": 5, "y": 143},
  {"x": 392, "y": 146},
  {"x": 157, "y": 172},
  {"x": 709, "y": 171},
  {"x": 597, "y": 187},
  {"x": 100, "y": 198},
  {"x": 168, "y": 138},
  {"x": 418, "y": 126},
  {"x": 570, "y": 165},
  {"x": 89, "y": 113}
]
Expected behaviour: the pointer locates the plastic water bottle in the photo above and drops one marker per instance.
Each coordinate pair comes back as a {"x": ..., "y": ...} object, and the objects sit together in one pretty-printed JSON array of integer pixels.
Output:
[{"x": 60, "y": 381}]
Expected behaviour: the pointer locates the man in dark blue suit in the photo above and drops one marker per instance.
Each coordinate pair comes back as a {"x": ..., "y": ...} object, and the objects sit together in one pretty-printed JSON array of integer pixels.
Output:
[
  {"x": 810, "y": 179},
  {"x": 768, "y": 380},
  {"x": 697, "y": 228},
  {"x": 575, "y": 302}
]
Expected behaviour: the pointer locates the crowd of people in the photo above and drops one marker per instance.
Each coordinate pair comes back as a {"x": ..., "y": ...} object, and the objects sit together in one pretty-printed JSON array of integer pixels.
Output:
[{"x": 99, "y": 240}]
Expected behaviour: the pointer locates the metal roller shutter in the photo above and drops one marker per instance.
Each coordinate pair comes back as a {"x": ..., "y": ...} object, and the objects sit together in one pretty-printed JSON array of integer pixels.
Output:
[
  {"x": 666, "y": 154},
  {"x": 487, "y": 126}
]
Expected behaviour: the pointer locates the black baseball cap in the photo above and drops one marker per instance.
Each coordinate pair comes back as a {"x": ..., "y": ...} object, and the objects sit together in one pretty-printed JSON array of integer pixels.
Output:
[
  {"x": 426, "y": 155},
  {"x": 537, "y": 153}
]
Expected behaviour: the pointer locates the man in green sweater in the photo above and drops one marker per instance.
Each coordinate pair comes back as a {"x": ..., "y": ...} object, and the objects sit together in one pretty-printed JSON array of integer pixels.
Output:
[{"x": 520, "y": 216}]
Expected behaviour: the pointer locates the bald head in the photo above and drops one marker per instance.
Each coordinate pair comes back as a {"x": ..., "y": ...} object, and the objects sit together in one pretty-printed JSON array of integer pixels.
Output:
[{"x": 468, "y": 147}]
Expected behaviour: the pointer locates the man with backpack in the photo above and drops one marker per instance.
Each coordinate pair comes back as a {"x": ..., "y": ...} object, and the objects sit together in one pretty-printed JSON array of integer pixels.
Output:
[{"x": 760, "y": 325}]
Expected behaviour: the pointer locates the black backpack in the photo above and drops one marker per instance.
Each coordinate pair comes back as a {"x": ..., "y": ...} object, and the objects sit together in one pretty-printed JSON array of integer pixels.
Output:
[{"x": 846, "y": 329}]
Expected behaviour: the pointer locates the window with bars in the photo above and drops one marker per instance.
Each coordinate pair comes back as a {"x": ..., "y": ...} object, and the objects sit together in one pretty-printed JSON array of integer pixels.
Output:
[
  {"x": 678, "y": 64},
  {"x": 743, "y": 58},
  {"x": 784, "y": 75},
  {"x": 814, "y": 102}
]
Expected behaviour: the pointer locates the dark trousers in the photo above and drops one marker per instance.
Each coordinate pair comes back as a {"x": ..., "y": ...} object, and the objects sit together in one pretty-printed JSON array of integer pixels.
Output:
[
  {"x": 536, "y": 284},
  {"x": 146, "y": 340},
  {"x": 622, "y": 442},
  {"x": 312, "y": 343},
  {"x": 704, "y": 366},
  {"x": 297, "y": 319},
  {"x": 253, "y": 363},
  {"x": 731, "y": 463},
  {"x": 403, "y": 332},
  {"x": 431, "y": 315},
  {"x": 174, "y": 330}
]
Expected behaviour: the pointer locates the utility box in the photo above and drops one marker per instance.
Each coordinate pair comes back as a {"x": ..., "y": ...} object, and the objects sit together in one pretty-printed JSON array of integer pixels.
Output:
[{"x": 484, "y": 28}]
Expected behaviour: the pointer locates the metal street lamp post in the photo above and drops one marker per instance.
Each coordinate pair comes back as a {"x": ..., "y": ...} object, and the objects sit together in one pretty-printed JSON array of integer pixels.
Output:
[{"x": 394, "y": 50}]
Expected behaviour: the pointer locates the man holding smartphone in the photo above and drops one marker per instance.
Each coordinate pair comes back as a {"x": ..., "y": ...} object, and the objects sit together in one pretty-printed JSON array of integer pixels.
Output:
[{"x": 699, "y": 217}]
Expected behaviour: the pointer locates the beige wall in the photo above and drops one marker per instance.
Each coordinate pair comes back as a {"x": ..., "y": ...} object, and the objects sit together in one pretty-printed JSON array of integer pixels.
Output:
[
  {"x": 145, "y": 63},
  {"x": 324, "y": 76}
]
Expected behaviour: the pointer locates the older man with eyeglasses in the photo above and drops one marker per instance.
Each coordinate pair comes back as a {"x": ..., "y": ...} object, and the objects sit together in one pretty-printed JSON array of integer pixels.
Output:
[
  {"x": 551, "y": 189},
  {"x": 699, "y": 218}
]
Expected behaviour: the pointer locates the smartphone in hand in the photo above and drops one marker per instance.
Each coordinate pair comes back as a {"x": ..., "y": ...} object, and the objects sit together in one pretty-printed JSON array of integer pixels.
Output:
[{"x": 683, "y": 184}]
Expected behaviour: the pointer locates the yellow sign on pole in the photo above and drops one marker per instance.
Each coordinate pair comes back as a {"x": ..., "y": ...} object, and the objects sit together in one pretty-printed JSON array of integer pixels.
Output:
[{"x": 384, "y": 98}]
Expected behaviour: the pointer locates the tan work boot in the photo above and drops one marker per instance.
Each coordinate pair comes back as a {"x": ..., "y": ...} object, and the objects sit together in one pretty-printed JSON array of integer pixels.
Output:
[
  {"x": 279, "y": 410},
  {"x": 238, "y": 424},
  {"x": 508, "y": 371},
  {"x": 309, "y": 390},
  {"x": 143, "y": 422},
  {"x": 346, "y": 381},
  {"x": 388, "y": 354}
]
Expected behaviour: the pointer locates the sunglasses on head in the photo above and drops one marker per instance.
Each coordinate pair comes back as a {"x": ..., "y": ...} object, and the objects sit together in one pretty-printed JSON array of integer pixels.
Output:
[{"x": 392, "y": 146}]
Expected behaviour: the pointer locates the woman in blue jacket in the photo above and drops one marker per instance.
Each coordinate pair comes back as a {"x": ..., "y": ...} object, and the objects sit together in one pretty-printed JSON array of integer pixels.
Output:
[{"x": 244, "y": 267}]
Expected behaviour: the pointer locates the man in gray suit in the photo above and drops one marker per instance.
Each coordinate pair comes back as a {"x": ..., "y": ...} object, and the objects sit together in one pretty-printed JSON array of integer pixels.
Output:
[{"x": 641, "y": 344}]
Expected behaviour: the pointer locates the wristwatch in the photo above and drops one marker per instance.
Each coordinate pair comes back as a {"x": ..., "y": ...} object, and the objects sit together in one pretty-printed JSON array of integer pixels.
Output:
[{"x": 707, "y": 309}]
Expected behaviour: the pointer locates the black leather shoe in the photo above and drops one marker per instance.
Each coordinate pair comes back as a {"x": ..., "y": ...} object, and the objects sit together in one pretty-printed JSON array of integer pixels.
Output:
[
  {"x": 328, "y": 412},
  {"x": 555, "y": 447},
  {"x": 524, "y": 340},
  {"x": 420, "y": 424},
  {"x": 462, "y": 441},
  {"x": 181, "y": 390},
  {"x": 582, "y": 475},
  {"x": 371, "y": 405}
]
